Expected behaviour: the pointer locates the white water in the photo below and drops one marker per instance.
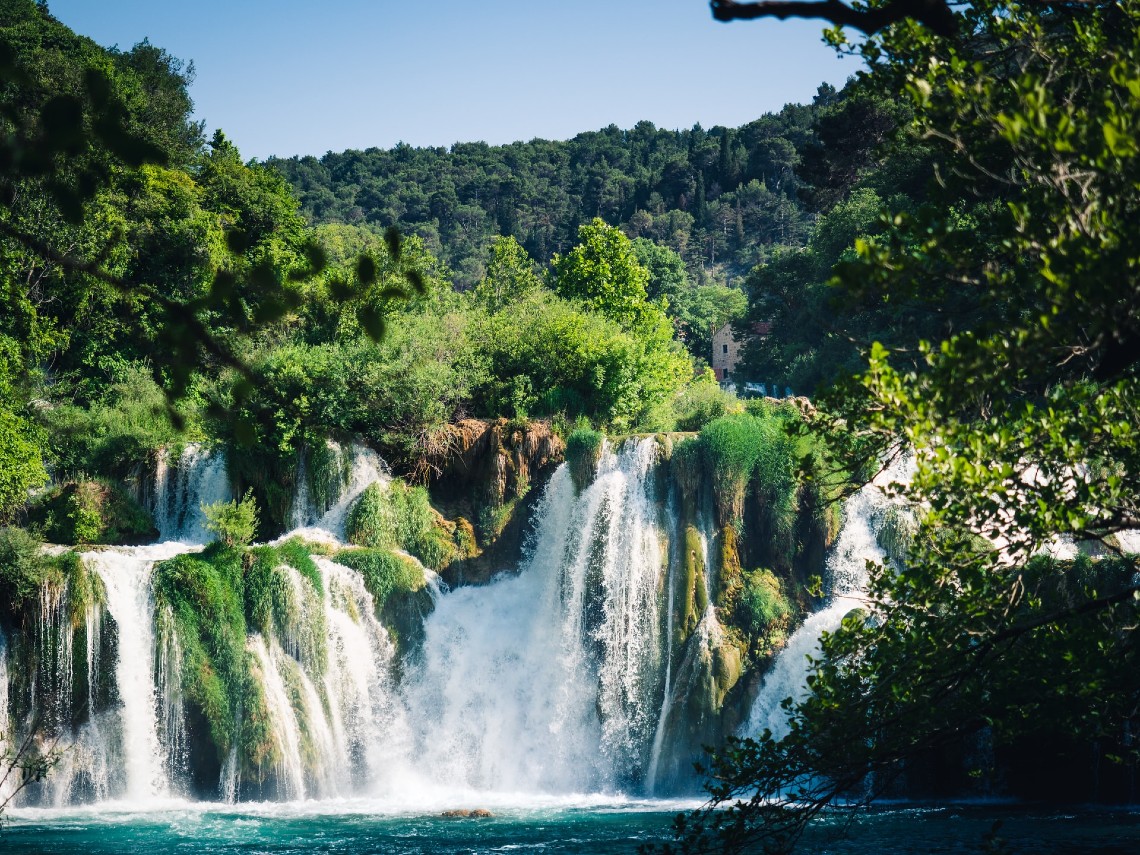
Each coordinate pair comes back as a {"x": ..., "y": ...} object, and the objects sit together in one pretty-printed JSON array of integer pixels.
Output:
[
  {"x": 126, "y": 575},
  {"x": 547, "y": 681},
  {"x": 197, "y": 477},
  {"x": 327, "y": 524},
  {"x": 847, "y": 570}
]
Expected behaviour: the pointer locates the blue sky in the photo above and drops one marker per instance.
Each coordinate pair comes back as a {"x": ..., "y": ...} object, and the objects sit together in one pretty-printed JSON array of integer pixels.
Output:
[{"x": 290, "y": 77}]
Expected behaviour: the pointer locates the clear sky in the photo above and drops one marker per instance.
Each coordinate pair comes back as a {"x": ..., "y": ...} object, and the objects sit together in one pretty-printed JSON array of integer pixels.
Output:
[{"x": 290, "y": 77}]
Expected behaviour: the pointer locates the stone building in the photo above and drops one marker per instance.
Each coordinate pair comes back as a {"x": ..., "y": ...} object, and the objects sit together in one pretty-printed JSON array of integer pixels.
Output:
[{"x": 726, "y": 349}]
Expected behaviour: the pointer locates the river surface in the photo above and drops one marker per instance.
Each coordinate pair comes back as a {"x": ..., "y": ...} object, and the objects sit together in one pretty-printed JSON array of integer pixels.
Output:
[{"x": 559, "y": 826}]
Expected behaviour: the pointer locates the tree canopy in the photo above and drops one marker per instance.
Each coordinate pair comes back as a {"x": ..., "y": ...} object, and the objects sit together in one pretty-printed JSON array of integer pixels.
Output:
[{"x": 1015, "y": 387}]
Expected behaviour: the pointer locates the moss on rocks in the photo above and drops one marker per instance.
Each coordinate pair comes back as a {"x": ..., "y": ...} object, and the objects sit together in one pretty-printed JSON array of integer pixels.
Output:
[{"x": 583, "y": 453}]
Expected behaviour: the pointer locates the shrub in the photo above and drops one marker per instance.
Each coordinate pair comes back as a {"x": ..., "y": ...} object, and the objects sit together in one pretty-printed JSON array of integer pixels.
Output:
[
  {"x": 21, "y": 467},
  {"x": 762, "y": 609},
  {"x": 702, "y": 402},
  {"x": 401, "y": 517},
  {"x": 24, "y": 567},
  {"x": 235, "y": 523},
  {"x": 94, "y": 511}
]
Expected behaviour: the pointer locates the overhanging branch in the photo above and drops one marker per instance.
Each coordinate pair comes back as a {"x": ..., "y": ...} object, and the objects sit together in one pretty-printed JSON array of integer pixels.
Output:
[{"x": 935, "y": 15}]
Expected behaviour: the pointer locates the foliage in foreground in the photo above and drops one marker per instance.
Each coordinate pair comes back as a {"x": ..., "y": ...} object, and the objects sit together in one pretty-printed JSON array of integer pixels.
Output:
[{"x": 1023, "y": 421}]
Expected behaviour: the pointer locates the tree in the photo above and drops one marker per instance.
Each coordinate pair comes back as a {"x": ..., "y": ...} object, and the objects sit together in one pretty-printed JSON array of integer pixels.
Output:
[
  {"x": 603, "y": 272},
  {"x": 509, "y": 278},
  {"x": 1023, "y": 421}
]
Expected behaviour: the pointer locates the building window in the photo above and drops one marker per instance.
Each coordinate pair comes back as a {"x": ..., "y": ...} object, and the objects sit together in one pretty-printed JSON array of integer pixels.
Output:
[{"x": 724, "y": 348}]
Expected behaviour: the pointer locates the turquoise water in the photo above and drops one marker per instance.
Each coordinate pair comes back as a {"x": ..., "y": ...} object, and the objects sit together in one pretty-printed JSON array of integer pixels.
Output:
[{"x": 355, "y": 827}]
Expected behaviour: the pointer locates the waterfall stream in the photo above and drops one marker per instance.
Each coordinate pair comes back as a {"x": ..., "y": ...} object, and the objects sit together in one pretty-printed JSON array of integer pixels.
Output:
[{"x": 847, "y": 575}]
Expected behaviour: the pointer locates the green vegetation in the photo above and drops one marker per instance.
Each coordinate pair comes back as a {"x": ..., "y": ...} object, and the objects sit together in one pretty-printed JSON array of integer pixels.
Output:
[
  {"x": 24, "y": 568},
  {"x": 719, "y": 199},
  {"x": 397, "y": 516},
  {"x": 985, "y": 321},
  {"x": 82, "y": 512},
  {"x": 201, "y": 595},
  {"x": 583, "y": 451},
  {"x": 386, "y": 574},
  {"x": 21, "y": 466},
  {"x": 234, "y": 522}
]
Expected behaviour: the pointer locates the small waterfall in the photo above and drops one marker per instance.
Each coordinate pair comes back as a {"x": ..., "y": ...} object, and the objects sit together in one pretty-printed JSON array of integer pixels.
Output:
[
  {"x": 7, "y": 784},
  {"x": 168, "y": 678},
  {"x": 290, "y": 767},
  {"x": 349, "y": 472},
  {"x": 847, "y": 574},
  {"x": 550, "y": 680},
  {"x": 126, "y": 576},
  {"x": 667, "y": 691},
  {"x": 358, "y": 683},
  {"x": 196, "y": 477}
]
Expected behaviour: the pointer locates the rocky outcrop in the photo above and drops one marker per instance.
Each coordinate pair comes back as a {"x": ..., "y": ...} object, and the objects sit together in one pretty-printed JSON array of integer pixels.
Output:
[{"x": 485, "y": 481}]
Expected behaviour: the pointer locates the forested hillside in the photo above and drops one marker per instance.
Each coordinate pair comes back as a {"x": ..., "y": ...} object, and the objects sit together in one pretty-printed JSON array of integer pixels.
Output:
[{"x": 720, "y": 198}]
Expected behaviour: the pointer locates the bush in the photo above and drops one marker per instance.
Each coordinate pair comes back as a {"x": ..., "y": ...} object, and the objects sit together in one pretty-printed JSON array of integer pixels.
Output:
[
  {"x": 401, "y": 517},
  {"x": 110, "y": 437},
  {"x": 702, "y": 402},
  {"x": 24, "y": 567},
  {"x": 235, "y": 523},
  {"x": 762, "y": 609},
  {"x": 94, "y": 511},
  {"x": 21, "y": 468}
]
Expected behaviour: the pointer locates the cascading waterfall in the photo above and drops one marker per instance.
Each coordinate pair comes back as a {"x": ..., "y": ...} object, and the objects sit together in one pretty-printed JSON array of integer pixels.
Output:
[
  {"x": 354, "y": 468},
  {"x": 126, "y": 576},
  {"x": 847, "y": 573},
  {"x": 196, "y": 477},
  {"x": 549, "y": 680},
  {"x": 557, "y": 679}
]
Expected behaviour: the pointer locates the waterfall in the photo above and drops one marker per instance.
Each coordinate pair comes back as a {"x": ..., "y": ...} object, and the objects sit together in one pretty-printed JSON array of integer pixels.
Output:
[
  {"x": 549, "y": 680},
  {"x": 7, "y": 784},
  {"x": 196, "y": 477},
  {"x": 126, "y": 576},
  {"x": 349, "y": 472},
  {"x": 847, "y": 574},
  {"x": 358, "y": 679}
]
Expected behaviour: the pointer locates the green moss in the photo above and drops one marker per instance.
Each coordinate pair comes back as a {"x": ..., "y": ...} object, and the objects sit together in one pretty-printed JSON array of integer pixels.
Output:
[
  {"x": 730, "y": 572},
  {"x": 465, "y": 539},
  {"x": 258, "y": 751},
  {"x": 402, "y": 517},
  {"x": 762, "y": 611},
  {"x": 276, "y": 607},
  {"x": 693, "y": 596},
  {"x": 82, "y": 512},
  {"x": 583, "y": 452},
  {"x": 24, "y": 568},
  {"x": 201, "y": 597},
  {"x": 385, "y": 573}
]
